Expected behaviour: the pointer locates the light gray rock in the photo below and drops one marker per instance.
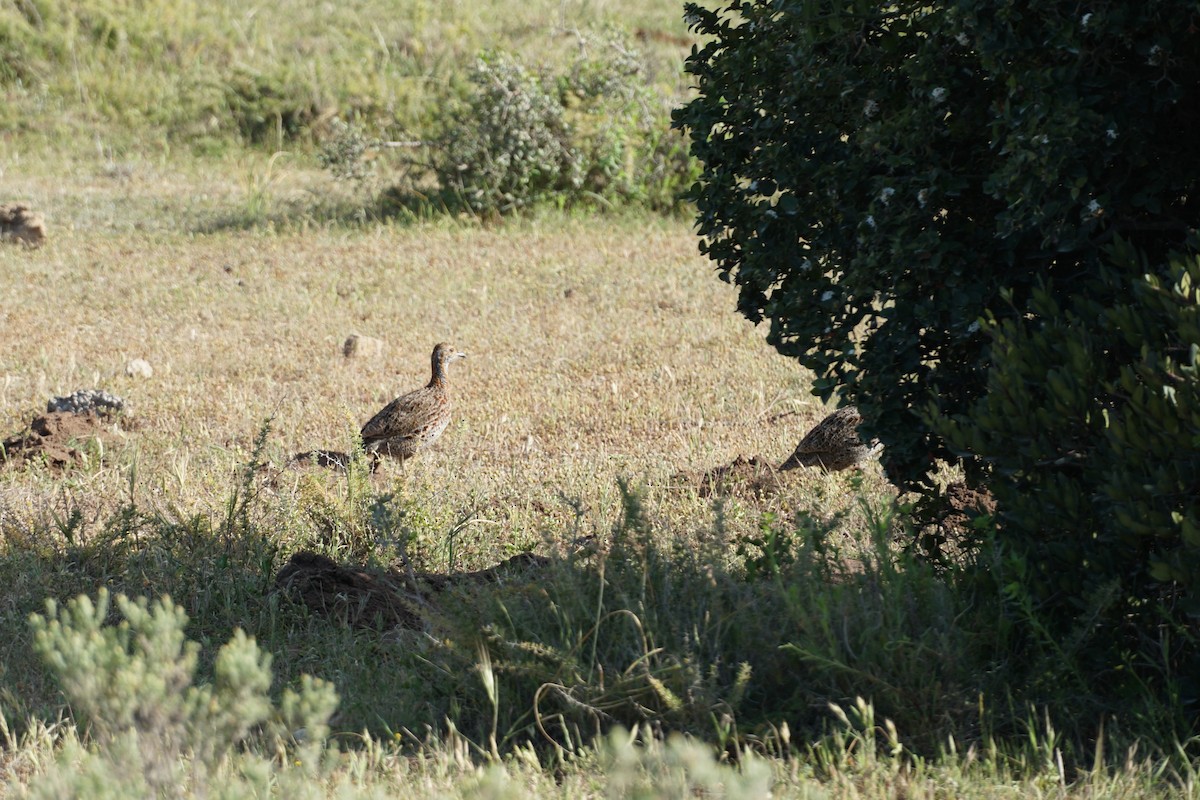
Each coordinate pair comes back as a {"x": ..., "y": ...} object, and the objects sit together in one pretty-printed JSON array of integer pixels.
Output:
[
  {"x": 139, "y": 368},
  {"x": 357, "y": 346},
  {"x": 97, "y": 401}
]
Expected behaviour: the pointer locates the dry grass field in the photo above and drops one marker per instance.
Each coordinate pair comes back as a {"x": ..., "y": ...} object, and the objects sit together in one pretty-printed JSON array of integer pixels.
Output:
[
  {"x": 598, "y": 349},
  {"x": 601, "y": 350},
  {"x": 761, "y": 635}
]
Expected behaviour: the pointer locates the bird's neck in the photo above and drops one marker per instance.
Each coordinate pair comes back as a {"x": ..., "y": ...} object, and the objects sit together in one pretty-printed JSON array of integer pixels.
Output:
[{"x": 439, "y": 374}]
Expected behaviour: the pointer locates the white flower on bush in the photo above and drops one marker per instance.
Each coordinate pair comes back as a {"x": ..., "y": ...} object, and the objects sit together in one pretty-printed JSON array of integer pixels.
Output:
[
  {"x": 1111, "y": 134},
  {"x": 1085, "y": 19},
  {"x": 825, "y": 298},
  {"x": 962, "y": 39},
  {"x": 870, "y": 220},
  {"x": 885, "y": 194},
  {"x": 922, "y": 197},
  {"x": 1095, "y": 209},
  {"x": 870, "y": 109},
  {"x": 938, "y": 94}
]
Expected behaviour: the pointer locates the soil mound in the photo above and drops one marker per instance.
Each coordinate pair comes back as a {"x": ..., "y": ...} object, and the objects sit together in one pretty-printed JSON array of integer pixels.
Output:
[
  {"x": 965, "y": 505},
  {"x": 20, "y": 224},
  {"x": 381, "y": 599},
  {"x": 52, "y": 438},
  {"x": 743, "y": 476}
]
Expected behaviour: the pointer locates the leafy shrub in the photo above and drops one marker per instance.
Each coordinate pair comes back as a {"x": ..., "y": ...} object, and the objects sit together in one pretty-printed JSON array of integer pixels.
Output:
[
  {"x": 878, "y": 177},
  {"x": 345, "y": 152},
  {"x": 522, "y": 137},
  {"x": 269, "y": 108},
  {"x": 508, "y": 145},
  {"x": 1091, "y": 423}
]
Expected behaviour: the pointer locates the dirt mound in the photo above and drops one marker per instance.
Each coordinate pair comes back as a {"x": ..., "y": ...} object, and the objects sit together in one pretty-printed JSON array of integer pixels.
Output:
[
  {"x": 965, "y": 505},
  {"x": 380, "y": 598},
  {"x": 743, "y": 476},
  {"x": 52, "y": 438},
  {"x": 19, "y": 224}
]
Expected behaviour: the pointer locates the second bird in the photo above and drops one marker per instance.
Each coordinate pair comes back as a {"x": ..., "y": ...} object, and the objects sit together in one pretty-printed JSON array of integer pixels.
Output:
[
  {"x": 413, "y": 421},
  {"x": 833, "y": 444}
]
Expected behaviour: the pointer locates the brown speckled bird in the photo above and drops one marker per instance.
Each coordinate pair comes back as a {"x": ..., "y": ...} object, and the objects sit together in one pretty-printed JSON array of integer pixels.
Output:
[
  {"x": 413, "y": 421},
  {"x": 833, "y": 444}
]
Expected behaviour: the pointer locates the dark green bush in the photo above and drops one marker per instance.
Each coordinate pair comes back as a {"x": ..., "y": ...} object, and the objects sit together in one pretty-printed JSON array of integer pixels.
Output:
[
  {"x": 878, "y": 177},
  {"x": 269, "y": 108},
  {"x": 936, "y": 207},
  {"x": 1091, "y": 423}
]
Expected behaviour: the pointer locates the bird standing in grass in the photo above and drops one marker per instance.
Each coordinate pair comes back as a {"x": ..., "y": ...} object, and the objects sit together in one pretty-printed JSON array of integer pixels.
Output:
[
  {"x": 413, "y": 421},
  {"x": 833, "y": 444}
]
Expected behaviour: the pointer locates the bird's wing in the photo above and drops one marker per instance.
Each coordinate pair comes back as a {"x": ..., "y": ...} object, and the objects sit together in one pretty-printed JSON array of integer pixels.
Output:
[{"x": 393, "y": 418}]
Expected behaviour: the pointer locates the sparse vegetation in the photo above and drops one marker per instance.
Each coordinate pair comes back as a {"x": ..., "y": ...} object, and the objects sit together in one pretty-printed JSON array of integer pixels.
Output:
[{"x": 679, "y": 636}]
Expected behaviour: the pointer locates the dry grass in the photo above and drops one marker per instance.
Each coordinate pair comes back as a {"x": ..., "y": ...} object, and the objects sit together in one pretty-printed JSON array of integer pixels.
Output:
[{"x": 598, "y": 349}]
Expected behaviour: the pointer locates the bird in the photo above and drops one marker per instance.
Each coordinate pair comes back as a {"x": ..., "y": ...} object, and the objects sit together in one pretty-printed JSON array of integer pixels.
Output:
[
  {"x": 833, "y": 443},
  {"x": 414, "y": 420}
]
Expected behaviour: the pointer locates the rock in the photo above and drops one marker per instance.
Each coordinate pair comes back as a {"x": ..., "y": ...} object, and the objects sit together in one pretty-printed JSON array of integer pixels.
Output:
[
  {"x": 362, "y": 347},
  {"x": 138, "y": 368},
  {"x": 85, "y": 401},
  {"x": 19, "y": 224}
]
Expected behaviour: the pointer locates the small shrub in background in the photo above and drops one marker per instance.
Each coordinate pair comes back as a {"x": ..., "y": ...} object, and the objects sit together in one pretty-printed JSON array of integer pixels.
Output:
[
  {"x": 507, "y": 145},
  {"x": 346, "y": 152},
  {"x": 269, "y": 108},
  {"x": 517, "y": 137}
]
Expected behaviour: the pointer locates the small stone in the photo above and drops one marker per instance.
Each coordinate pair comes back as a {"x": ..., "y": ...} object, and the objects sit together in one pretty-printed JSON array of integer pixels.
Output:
[
  {"x": 19, "y": 224},
  {"x": 362, "y": 347},
  {"x": 139, "y": 368},
  {"x": 83, "y": 401}
]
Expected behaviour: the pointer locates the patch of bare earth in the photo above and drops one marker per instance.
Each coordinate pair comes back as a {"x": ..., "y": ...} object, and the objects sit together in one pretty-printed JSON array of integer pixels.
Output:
[
  {"x": 54, "y": 439},
  {"x": 752, "y": 477},
  {"x": 965, "y": 506}
]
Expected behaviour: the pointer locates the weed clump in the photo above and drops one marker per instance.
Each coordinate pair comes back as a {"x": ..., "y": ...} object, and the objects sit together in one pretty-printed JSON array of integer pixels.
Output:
[
  {"x": 153, "y": 730},
  {"x": 591, "y": 132},
  {"x": 508, "y": 145}
]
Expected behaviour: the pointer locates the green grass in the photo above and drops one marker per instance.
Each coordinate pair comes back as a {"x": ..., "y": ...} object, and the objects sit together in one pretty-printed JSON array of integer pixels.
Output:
[{"x": 206, "y": 74}]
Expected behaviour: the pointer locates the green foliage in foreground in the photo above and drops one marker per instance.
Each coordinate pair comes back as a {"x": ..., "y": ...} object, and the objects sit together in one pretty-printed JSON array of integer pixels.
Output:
[
  {"x": 156, "y": 732},
  {"x": 152, "y": 729},
  {"x": 744, "y": 641}
]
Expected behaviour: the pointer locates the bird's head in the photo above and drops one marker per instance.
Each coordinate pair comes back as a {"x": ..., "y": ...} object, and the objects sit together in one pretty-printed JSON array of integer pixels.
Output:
[{"x": 445, "y": 352}]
